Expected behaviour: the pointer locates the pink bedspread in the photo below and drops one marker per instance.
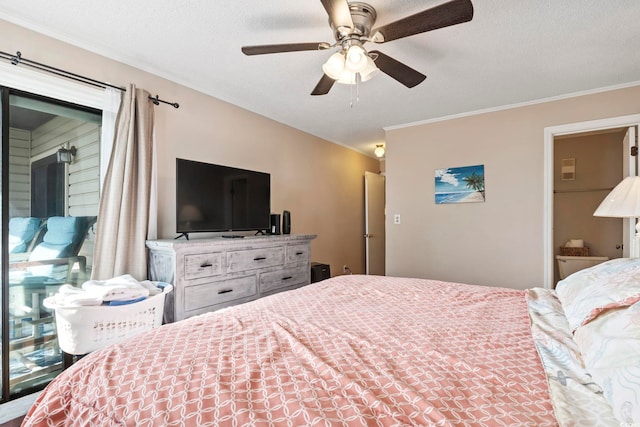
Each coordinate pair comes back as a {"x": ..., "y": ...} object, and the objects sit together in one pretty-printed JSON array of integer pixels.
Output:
[{"x": 352, "y": 350}]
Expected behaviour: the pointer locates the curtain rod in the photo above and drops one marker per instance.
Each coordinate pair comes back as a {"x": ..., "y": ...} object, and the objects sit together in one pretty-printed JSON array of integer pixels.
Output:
[{"x": 18, "y": 59}]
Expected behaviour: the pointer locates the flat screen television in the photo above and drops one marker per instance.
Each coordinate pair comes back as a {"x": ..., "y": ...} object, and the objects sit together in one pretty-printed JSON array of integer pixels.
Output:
[{"x": 216, "y": 198}]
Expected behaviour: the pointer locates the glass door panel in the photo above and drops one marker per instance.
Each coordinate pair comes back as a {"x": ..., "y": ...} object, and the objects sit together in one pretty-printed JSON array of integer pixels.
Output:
[{"x": 53, "y": 188}]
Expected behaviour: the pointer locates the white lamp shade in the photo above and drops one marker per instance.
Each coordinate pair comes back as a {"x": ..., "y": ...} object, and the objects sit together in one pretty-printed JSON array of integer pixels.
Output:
[
  {"x": 369, "y": 71},
  {"x": 343, "y": 68},
  {"x": 334, "y": 66},
  {"x": 349, "y": 77},
  {"x": 623, "y": 201},
  {"x": 356, "y": 59}
]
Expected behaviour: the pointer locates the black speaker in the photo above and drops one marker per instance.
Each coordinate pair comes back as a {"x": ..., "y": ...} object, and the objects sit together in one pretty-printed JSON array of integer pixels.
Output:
[
  {"x": 286, "y": 222},
  {"x": 319, "y": 272},
  {"x": 274, "y": 224}
]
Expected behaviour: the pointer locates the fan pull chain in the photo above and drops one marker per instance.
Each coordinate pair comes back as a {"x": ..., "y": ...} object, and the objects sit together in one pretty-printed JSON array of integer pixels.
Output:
[
  {"x": 351, "y": 96},
  {"x": 357, "y": 85}
]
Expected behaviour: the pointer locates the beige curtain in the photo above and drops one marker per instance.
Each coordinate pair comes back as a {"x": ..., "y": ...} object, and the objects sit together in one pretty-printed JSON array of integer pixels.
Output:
[{"x": 123, "y": 213}]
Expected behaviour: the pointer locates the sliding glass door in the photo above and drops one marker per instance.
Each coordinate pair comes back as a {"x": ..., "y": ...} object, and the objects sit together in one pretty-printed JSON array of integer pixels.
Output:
[{"x": 50, "y": 192}]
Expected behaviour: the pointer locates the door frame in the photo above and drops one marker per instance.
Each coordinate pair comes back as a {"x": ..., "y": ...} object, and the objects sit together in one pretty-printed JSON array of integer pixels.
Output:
[{"x": 549, "y": 135}]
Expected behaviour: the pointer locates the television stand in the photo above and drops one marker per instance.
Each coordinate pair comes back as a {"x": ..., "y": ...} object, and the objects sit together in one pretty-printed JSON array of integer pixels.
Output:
[
  {"x": 204, "y": 271},
  {"x": 186, "y": 236}
]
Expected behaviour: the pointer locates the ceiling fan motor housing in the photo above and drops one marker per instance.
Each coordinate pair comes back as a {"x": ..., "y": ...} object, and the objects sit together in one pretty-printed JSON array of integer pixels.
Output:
[{"x": 363, "y": 16}]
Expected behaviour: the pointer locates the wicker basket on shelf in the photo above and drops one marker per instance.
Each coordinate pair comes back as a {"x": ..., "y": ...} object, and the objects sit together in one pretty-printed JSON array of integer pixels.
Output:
[{"x": 567, "y": 251}]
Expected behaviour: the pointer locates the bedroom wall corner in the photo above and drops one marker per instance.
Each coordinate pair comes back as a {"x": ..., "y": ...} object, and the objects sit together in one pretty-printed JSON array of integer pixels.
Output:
[{"x": 498, "y": 242}]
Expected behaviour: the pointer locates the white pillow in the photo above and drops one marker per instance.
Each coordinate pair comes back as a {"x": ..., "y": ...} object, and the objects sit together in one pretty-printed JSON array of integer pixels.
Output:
[{"x": 587, "y": 293}]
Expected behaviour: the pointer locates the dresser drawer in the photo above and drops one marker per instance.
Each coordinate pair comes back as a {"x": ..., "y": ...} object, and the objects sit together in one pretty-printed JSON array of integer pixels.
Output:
[
  {"x": 273, "y": 280},
  {"x": 297, "y": 253},
  {"x": 202, "y": 265},
  {"x": 250, "y": 259},
  {"x": 211, "y": 294}
]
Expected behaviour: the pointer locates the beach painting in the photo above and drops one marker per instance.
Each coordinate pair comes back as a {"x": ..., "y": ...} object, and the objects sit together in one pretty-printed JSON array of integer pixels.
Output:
[{"x": 460, "y": 185}]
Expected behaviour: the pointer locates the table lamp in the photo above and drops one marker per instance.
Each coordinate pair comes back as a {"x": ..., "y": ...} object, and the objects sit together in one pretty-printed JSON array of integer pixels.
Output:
[{"x": 624, "y": 202}]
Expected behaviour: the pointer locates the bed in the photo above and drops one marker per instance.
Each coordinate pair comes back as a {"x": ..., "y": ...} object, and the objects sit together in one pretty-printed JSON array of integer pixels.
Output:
[{"x": 359, "y": 350}]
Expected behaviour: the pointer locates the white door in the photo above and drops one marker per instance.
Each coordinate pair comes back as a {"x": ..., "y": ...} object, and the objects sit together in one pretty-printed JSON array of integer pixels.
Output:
[{"x": 374, "y": 211}]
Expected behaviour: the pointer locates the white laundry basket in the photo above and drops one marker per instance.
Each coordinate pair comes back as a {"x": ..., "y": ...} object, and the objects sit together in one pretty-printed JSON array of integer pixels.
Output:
[{"x": 82, "y": 330}]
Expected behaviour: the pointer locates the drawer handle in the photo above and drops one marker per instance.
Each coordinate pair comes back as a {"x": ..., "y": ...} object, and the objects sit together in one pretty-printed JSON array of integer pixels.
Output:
[
  {"x": 299, "y": 253},
  {"x": 260, "y": 258},
  {"x": 224, "y": 291},
  {"x": 287, "y": 278},
  {"x": 206, "y": 265}
]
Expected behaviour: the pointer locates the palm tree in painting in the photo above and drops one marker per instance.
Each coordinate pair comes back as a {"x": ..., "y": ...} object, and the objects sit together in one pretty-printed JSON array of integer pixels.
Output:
[{"x": 475, "y": 182}]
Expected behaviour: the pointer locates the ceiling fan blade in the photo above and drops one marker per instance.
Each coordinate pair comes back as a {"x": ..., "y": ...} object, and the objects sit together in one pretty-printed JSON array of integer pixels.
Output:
[
  {"x": 287, "y": 47},
  {"x": 397, "y": 70},
  {"x": 339, "y": 14},
  {"x": 324, "y": 85},
  {"x": 444, "y": 15}
]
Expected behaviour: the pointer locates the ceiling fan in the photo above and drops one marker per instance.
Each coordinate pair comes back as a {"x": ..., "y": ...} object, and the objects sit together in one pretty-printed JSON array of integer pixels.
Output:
[{"x": 352, "y": 25}]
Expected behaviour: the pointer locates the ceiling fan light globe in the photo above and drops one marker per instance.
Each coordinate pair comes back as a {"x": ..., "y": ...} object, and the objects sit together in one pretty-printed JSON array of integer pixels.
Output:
[
  {"x": 369, "y": 71},
  {"x": 356, "y": 58},
  {"x": 368, "y": 76},
  {"x": 347, "y": 78},
  {"x": 334, "y": 67}
]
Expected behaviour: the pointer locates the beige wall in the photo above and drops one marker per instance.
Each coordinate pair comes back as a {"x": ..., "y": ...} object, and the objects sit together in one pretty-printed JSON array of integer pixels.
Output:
[
  {"x": 598, "y": 169},
  {"x": 499, "y": 242},
  {"x": 321, "y": 183}
]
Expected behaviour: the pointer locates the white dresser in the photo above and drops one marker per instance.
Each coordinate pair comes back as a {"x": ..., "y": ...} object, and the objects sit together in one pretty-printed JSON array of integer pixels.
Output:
[{"x": 209, "y": 274}]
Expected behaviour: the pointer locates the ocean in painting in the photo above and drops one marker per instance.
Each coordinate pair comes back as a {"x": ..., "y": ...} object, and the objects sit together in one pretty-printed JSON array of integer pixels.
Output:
[{"x": 452, "y": 197}]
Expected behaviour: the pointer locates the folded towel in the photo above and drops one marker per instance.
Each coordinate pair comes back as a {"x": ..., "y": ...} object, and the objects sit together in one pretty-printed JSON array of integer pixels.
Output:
[
  {"x": 70, "y": 296},
  {"x": 122, "y": 288},
  {"x": 79, "y": 300},
  {"x": 153, "y": 289},
  {"x": 116, "y": 291}
]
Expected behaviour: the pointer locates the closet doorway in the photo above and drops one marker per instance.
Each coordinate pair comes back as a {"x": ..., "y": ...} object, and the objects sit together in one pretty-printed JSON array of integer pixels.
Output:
[
  {"x": 605, "y": 139},
  {"x": 587, "y": 166}
]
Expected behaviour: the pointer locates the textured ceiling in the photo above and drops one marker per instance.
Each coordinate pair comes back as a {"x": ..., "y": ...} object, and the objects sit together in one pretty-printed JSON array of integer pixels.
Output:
[{"x": 511, "y": 52}]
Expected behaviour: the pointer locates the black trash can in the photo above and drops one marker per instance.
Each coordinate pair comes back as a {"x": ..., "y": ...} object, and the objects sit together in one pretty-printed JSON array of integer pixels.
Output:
[{"x": 319, "y": 272}]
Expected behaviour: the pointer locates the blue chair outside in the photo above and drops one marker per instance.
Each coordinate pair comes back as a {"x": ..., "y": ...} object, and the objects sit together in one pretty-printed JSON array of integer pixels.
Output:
[
  {"x": 63, "y": 240},
  {"x": 51, "y": 262},
  {"x": 23, "y": 232}
]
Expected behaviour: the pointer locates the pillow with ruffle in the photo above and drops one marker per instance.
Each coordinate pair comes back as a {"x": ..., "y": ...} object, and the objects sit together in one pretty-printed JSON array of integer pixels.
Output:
[{"x": 587, "y": 293}]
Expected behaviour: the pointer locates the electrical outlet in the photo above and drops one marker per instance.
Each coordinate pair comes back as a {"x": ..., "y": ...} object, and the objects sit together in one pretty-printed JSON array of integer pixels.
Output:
[
  {"x": 346, "y": 269},
  {"x": 396, "y": 218}
]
